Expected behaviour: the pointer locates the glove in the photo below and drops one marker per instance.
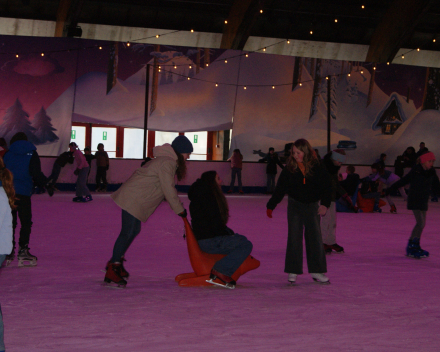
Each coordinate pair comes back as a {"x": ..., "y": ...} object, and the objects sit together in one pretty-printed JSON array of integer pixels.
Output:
[
  {"x": 269, "y": 213},
  {"x": 183, "y": 214},
  {"x": 76, "y": 172}
]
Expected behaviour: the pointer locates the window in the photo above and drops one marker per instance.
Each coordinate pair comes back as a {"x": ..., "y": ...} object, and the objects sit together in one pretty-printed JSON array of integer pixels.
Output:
[
  {"x": 133, "y": 143},
  {"x": 78, "y": 135},
  {"x": 106, "y": 136},
  {"x": 165, "y": 137},
  {"x": 199, "y": 141}
]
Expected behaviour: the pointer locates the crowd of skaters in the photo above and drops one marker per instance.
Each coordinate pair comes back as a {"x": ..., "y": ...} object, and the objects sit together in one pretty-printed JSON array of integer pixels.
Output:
[{"x": 313, "y": 186}]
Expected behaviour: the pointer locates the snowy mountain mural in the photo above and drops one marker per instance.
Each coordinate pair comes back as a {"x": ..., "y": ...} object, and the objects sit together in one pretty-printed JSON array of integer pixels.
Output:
[{"x": 383, "y": 114}]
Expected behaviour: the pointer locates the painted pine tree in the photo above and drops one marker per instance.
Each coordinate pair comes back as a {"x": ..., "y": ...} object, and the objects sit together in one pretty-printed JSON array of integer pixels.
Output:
[
  {"x": 17, "y": 120},
  {"x": 432, "y": 90},
  {"x": 44, "y": 129}
]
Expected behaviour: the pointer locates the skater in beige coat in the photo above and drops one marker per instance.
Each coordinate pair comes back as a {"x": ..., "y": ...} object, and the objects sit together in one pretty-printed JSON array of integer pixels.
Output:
[{"x": 142, "y": 193}]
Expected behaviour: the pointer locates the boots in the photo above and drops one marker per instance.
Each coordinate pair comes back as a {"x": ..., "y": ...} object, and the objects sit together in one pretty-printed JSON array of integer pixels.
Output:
[
  {"x": 113, "y": 274},
  {"x": 124, "y": 273},
  {"x": 393, "y": 209}
]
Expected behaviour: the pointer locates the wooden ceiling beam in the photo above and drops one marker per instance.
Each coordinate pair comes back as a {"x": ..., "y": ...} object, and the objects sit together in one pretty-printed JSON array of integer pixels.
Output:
[
  {"x": 241, "y": 18},
  {"x": 67, "y": 16},
  {"x": 396, "y": 27}
]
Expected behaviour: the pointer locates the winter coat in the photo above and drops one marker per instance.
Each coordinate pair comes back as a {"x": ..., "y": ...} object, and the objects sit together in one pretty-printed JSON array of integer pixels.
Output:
[
  {"x": 149, "y": 185},
  {"x": 236, "y": 160},
  {"x": 315, "y": 187},
  {"x": 80, "y": 159},
  {"x": 351, "y": 183},
  {"x": 337, "y": 190},
  {"x": 5, "y": 223},
  {"x": 387, "y": 177},
  {"x": 23, "y": 161},
  {"x": 272, "y": 162},
  {"x": 420, "y": 183},
  {"x": 206, "y": 220},
  {"x": 101, "y": 159}
]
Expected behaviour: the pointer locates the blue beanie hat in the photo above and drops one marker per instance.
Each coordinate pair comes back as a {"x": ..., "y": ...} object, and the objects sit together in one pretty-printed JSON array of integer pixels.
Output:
[{"x": 181, "y": 144}]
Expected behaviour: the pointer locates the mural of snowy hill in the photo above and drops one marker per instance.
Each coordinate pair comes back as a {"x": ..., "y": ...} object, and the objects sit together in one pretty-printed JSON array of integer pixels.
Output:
[
  {"x": 183, "y": 105},
  {"x": 268, "y": 117}
]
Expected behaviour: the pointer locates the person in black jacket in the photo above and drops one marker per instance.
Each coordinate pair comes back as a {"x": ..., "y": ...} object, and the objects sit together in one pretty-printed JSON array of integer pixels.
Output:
[
  {"x": 209, "y": 215},
  {"x": 306, "y": 182},
  {"x": 272, "y": 160},
  {"x": 60, "y": 162},
  {"x": 421, "y": 178}
]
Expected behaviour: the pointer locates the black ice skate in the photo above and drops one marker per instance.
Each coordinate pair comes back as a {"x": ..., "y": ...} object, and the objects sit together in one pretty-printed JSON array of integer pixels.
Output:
[
  {"x": 25, "y": 258},
  {"x": 414, "y": 250},
  {"x": 219, "y": 279}
]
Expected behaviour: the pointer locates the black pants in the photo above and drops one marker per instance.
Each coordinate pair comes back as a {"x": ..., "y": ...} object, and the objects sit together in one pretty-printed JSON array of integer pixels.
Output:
[
  {"x": 303, "y": 220},
  {"x": 101, "y": 173},
  {"x": 24, "y": 212}
]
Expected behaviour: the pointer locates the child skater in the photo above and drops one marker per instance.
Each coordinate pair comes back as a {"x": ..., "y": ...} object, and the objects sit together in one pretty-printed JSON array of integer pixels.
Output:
[
  {"x": 209, "y": 215},
  {"x": 7, "y": 199},
  {"x": 102, "y": 165},
  {"x": 306, "y": 183},
  {"x": 236, "y": 166},
  {"x": 82, "y": 171},
  {"x": 421, "y": 178},
  {"x": 142, "y": 193},
  {"x": 388, "y": 178}
]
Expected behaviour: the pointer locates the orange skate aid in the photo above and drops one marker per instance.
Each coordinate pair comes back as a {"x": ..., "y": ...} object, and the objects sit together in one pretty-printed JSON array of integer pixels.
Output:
[{"x": 202, "y": 262}]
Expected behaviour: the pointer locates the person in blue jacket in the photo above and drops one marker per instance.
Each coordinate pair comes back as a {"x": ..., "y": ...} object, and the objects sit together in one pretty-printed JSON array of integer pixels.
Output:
[{"x": 23, "y": 161}]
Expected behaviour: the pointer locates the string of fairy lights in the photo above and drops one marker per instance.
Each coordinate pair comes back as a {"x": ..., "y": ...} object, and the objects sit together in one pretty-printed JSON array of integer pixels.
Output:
[{"x": 160, "y": 67}]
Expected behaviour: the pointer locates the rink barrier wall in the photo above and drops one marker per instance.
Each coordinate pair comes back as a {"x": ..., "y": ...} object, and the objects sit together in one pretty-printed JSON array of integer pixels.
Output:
[{"x": 253, "y": 174}]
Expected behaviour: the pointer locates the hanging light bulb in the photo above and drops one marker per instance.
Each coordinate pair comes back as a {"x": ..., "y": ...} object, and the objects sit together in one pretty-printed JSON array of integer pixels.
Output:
[
  {"x": 247, "y": 55},
  {"x": 311, "y": 32},
  {"x": 326, "y": 77},
  {"x": 190, "y": 66},
  {"x": 403, "y": 56},
  {"x": 363, "y": 6},
  {"x": 433, "y": 40},
  {"x": 388, "y": 63},
  {"x": 216, "y": 84},
  {"x": 261, "y": 11},
  {"x": 336, "y": 20},
  {"x": 42, "y": 54},
  {"x": 175, "y": 67},
  {"x": 273, "y": 87},
  {"x": 288, "y": 41},
  {"x": 226, "y": 61},
  {"x": 157, "y": 35},
  {"x": 192, "y": 30},
  {"x": 160, "y": 67},
  {"x": 226, "y": 21},
  {"x": 100, "y": 48},
  {"x": 418, "y": 49},
  {"x": 264, "y": 49},
  {"x": 128, "y": 44},
  {"x": 189, "y": 78},
  {"x": 16, "y": 55},
  {"x": 362, "y": 72},
  {"x": 207, "y": 65},
  {"x": 300, "y": 84},
  {"x": 349, "y": 74},
  {"x": 244, "y": 87},
  {"x": 374, "y": 68}
]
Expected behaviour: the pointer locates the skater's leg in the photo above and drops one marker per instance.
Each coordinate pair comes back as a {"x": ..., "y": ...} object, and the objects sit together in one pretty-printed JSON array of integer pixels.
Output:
[
  {"x": 268, "y": 183},
  {"x": 81, "y": 183},
  {"x": 24, "y": 211},
  {"x": 316, "y": 261},
  {"x": 294, "y": 251},
  {"x": 420, "y": 216},
  {"x": 236, "y": 247},
  {"x": 130, "y": 229},
  {"x": 98, "y": 177},
  {"x": 2, "y": 259},
  {"x": 403, "y": 193},
  {"x": 233, "y": 173},
  {"x": 240, "y": 186},
  {"x": 328, "y": 225}
]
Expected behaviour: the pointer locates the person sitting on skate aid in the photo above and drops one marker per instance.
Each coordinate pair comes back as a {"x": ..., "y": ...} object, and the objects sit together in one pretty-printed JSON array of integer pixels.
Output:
[{"x": 209, "y": 215}]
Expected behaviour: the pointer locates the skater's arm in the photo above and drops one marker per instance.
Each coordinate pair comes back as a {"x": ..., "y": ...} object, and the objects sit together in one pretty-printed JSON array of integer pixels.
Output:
[
  {"x": 402, "y": 182},
  {"x": 166, "y": 179}
]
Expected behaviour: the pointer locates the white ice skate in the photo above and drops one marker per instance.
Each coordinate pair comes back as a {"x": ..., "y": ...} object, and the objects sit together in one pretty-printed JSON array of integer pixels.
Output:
[
  {"x": 25, "y": 259},
  {"x": 221, "y": 283},
  {"x": 320, "y": 278},
  {"x": 292, "y": 278}
]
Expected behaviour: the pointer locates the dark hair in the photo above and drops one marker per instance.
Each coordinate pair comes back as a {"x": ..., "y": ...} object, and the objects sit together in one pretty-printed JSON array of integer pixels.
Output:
[
  {"x": 237, "y": 151},
  {"x": 351, "y": 168},
  {"x": 382, "y": 155},
  {"x": 87, "y": 149},
  {"x": 3, "y": 143},
  {"x": 209, "y": 178},
  {"x": 271, "y": 149},
  {"x": 19, "y": 136},
  {"x": 181, "y": 166},
  {"x": 100, "y": 144}
]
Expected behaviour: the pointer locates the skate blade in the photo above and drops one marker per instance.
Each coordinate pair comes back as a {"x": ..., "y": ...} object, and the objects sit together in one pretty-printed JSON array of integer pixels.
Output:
[
  {"x": 27, "y": 263},
  {"x": 114, "y": 285},
  {"x": 292, "y": 283},
  {"x": 231, "y": 287},
  {"x": 322, "y": 282}
]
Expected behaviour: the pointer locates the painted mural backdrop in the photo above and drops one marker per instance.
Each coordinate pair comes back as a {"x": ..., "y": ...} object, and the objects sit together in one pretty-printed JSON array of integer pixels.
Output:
[{"x": 268, "y": 100}]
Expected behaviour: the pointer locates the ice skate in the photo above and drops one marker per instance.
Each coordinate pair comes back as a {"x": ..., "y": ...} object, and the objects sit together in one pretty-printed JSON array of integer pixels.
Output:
[
  {"x": 9, "y": 258},
  {"x": 25, "y": 258},
  {"x": 219, "y": 279},
  {"x": 87, "y": 198},
  {"x": 320, "y": 278},
  {"x": 292, "y": 278},
  {"x": 113, "y": 275},
  {"x": 376, "y": 208},
  {"x": 123, "y": 273},
  {"x": 77, "y": 199},
  {"x": 327, "y": 249},
  {"x": 393, "y": 209},
  {"x": 337, "y": 248},
  {"x": 414, "y": 250}
]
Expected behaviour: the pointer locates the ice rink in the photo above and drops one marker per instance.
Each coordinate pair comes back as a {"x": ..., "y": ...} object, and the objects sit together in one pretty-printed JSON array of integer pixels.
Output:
[{"x": 378, "y": 299}]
